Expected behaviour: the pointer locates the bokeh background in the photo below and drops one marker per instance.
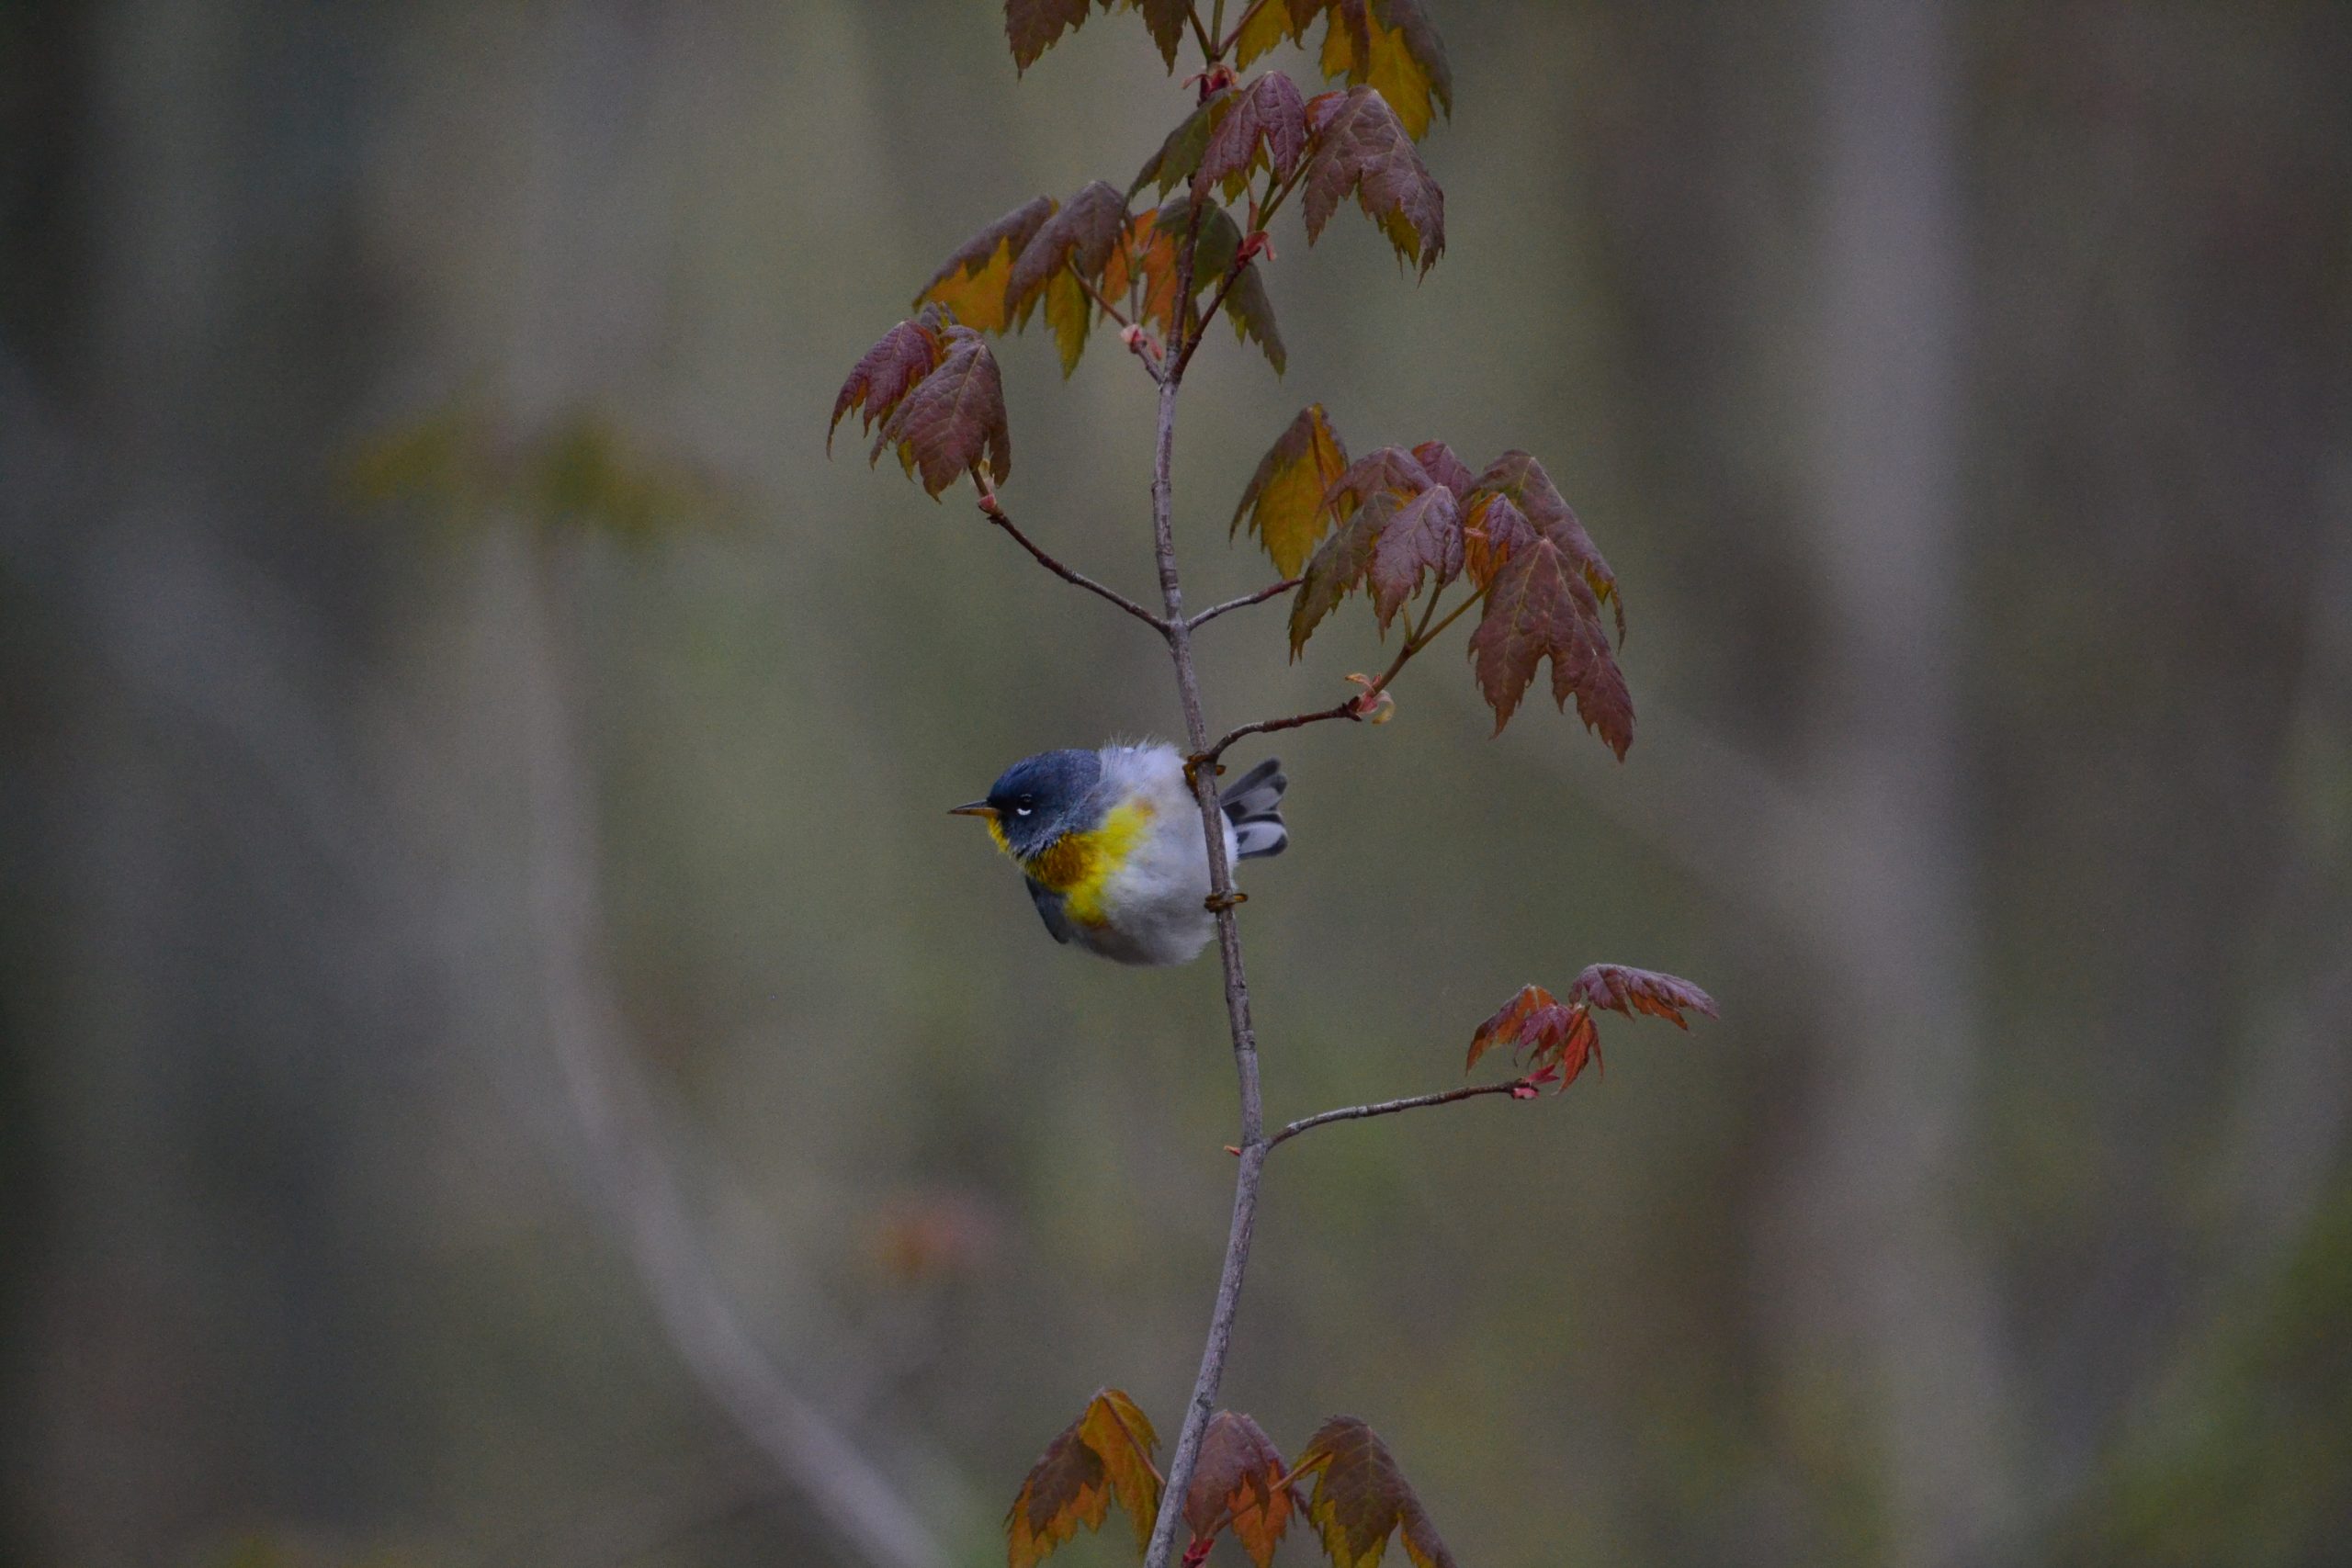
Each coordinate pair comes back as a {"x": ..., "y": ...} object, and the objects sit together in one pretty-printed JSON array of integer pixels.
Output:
[{"x": 508, "y": 1063}]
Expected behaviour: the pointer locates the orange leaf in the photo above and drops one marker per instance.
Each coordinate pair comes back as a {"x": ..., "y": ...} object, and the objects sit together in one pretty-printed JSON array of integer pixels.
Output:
[
  {"x": 1283, "y": 503},
  {"x": 1103, "y": 1456},
  {"x": 1390, "y": 45},
  {"x": 1237, "y": 1480}
]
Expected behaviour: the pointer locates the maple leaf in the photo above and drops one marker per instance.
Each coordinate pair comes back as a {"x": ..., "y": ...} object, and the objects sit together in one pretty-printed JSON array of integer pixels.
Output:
[
  {"x": 1268, "y": 25},
  {"x": 1239, "y": 1480},
  {"x": 1360, "y": 1498},
  {"x": 1539, "y": 607},
  {"x": 1630, "y": 991},
  {"x": 1492, "y": 529},
  {"x": 1081, "y": 233},
  {"x": 1253, "y": 315},
  {"x": 885, "y": 373},
  {"x": 1553, "y": 1040},
  {"x": 1444, "y": 466},
  {"x": 1519, "y": 478},
  {"x": 1390, "y": 45},
  {"x": 1418, "y": 538},
  {"x": 1360, "y": 147},
  {"x": 1334, "y": 572},
  {"x": 1166, "y": 19},
  {"x": 1180, "y": 154},
  {"x": 1265, "y": 127},
  {"x": 972, "y": 282},
  {"x": 1284, "y": 502},
  {"x": 1146, "y": 255},
  {"x": 1102, "y": 1458},
  {"x": 953, "y": 418},
  {"x": 1033, "y": 27},
  {"x": 1389, "y": 470}
]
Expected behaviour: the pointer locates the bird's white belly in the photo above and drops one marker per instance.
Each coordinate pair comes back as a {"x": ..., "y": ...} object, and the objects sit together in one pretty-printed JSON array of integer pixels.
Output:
[{"x": 1155, "y": 906}]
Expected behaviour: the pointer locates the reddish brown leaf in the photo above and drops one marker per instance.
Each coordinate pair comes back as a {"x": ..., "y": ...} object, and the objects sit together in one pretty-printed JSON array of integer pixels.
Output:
[
  {"x": 1521, "y": 479},
  {"x": 1552, "y": 1040},
  {"x": 972, "y": 282},
  {"x": 1081, "y": 233},
  {"x": 1630, "y": 991},
  {"x": 1444, "y": 466},
  {"x": 1336, "y": 569},
  {"x": 905, "y": 354},
  {"x": 1390, "y": 45},
  {"x": 1237, "y": 1481},
  {"x": 1266, "y": 128},
  {"x": 1180, "y": 154},
  {"x": 1103, "y": 1456},
  {"x": 1360, "y": 1498},
  {"x": 1507, "y": 1022},
  {"x": 1166, "y": 19},
  {"x": 1539, "y": 607},
  {"x": 1389, "y": 470},
  {"x": 953, "y": 418},
  {"x": 1493, "y": 528},
  {"x": 1253, "y": 315},
  {"x": 1283, "y": 503},
  {"x": 1421, "y": 536},
  {"x": 1033, "y": 26},
  {"x": 1360, "y": 148}
]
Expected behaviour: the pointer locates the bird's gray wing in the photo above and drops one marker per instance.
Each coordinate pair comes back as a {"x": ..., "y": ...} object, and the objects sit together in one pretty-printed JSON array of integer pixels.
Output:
[{"x": 1050, "y": 907}]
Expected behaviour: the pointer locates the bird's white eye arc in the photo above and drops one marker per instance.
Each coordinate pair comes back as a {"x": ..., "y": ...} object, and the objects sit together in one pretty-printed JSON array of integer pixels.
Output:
[{"x": 1020, "y": 811}]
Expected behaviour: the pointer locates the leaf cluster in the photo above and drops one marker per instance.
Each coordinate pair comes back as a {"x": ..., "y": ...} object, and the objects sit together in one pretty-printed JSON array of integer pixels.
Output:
[
  {"x": 932, "y": 388},
  {"x": 1399, "y": 523},
  {"x": 1240, "y": 1483},
  {"x": 1554, "y": 1039}
]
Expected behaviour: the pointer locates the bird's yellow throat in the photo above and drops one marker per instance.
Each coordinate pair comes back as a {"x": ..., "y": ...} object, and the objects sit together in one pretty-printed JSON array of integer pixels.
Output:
[{"x": 1079, "y": 865}]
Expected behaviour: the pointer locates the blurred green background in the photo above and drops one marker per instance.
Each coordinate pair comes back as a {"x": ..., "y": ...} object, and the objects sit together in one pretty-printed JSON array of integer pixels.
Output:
[{"x": 507, "y": 1062}]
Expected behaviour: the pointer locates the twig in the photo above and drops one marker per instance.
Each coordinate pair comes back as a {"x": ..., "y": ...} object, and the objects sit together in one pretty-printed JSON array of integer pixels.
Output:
[
  {"x": 1518, "y": 1089},
  {"x": 1095, "y": 291},
  {"x": 1260, "y": 597},
  {"x": 994, "y": 510}
]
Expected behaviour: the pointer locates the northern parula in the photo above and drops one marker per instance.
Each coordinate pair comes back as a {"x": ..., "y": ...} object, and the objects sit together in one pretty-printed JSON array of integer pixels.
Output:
[{"x": 1110, "y": 843}]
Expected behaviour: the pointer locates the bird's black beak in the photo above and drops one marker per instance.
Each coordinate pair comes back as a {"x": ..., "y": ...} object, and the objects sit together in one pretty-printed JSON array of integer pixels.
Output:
[{"x": 977, "y": 808}]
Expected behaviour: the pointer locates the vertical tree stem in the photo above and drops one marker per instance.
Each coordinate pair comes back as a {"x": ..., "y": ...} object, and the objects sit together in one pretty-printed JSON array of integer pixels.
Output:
[{"x": 1236, "y": 985}]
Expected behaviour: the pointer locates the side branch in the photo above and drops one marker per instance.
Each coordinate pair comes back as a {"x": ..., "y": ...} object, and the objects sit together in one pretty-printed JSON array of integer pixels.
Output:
[
  {"x": 1271, "y": 590},
  {"x": 1518, "y": 1089},
  {"x": 995, "y": 513}
]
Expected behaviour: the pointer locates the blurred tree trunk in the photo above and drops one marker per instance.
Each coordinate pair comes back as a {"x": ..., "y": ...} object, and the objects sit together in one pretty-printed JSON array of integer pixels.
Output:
[{"x": 1885, "y": 865}]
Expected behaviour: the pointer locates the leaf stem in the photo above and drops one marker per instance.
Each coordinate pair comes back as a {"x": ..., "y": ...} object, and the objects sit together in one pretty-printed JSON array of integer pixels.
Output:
[
  {"x": 1204, "y": 35},
  {"x": 1095, "y": 292},
  {"x": 1260, "y": 597},
  {"x": 1214, "y": 43},
  {"x": 1241, "y": 25},
  {"x": 994, "y": 511},
  {"x": 1390, "y": 1107}
]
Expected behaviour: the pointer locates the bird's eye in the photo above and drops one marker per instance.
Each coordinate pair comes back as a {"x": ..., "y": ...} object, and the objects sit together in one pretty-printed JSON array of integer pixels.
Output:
[{"x": 1020, "y": 811}]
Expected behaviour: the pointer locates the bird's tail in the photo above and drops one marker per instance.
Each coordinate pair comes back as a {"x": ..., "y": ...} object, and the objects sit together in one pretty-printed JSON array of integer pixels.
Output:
[{"x": 1254, "y": 805}]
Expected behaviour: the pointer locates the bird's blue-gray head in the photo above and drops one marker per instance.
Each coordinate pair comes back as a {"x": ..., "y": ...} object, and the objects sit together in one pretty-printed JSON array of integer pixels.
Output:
[{"x": 1040, "y": 798}]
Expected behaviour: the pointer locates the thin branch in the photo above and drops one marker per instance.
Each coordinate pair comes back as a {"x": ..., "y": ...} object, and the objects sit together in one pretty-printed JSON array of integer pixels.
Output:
[
  {"x": 1253, "y": 1144},
  {"x": 1095, "y": 290},
  {"x": 1518, "y": 1089},
  {"x": 1241, "y": 25},
  {"x": 994, "y": 510},
  {"x": 1271, "y": 590},
  {"x": 1201, "y": 35}
]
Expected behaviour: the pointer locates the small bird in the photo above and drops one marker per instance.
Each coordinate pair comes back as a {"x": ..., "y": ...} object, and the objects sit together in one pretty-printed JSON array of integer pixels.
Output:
[{"x": 1110, "y": 842}]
